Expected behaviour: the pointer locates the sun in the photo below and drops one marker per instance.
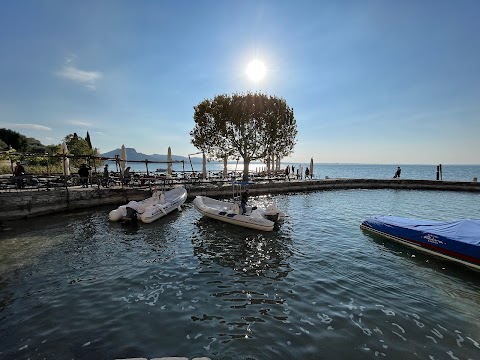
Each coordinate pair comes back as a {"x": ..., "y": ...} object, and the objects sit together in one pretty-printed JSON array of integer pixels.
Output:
[{"x": 256, "y": 70}]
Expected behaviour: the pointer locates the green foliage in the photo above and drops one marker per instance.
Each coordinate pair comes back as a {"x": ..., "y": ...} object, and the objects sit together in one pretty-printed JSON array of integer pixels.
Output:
[
  {"x": 14, "y": 139},
  {"x": 20, "y": 143},
  {"x": 77, "y": 146},
  {"x": 34, "y": 146},
  {"x": 252, "y": 126},
  {"x": 32, "y": 152},
  {"x": 89, "y": 142},
  {"x": 34, "y": 169}
]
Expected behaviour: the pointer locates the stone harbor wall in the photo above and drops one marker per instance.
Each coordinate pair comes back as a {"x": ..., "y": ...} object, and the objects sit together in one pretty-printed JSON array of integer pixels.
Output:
[
  {"x": 29, "y": 203},
  {"x": 24, "y": 204}
]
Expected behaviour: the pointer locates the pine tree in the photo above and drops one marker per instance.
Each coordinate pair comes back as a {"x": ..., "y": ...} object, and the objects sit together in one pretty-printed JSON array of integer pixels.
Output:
[{"x": 88, "y": 141}]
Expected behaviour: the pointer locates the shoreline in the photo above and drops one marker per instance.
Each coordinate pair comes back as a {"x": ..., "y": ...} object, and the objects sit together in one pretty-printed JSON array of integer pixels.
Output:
[{"x": 24, "y": 204}]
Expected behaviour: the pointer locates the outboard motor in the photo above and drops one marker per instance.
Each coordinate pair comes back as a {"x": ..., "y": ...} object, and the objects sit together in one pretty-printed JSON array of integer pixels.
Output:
[
  {"x": 271, "y": 213},
  {"x": 131, "y": 217}
]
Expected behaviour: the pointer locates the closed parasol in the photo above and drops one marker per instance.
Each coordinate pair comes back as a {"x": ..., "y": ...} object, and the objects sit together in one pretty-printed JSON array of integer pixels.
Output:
[
  {"x": 123, "y": 159},
  {"x": 169, "y": 159},
  {"x": 66, "y": 160}
]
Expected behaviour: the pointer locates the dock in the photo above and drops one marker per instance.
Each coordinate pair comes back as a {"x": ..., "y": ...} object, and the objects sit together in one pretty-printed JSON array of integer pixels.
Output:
[{"x": 22, "y": 204}]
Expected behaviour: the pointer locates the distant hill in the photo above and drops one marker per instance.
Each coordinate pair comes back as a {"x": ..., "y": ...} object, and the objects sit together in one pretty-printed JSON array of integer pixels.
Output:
[{"x": 132, "y": 154}]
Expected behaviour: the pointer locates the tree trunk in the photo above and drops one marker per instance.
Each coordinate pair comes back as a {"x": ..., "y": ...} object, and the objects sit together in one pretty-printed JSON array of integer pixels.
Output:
[
  {"x": 246, "y": 164},
  {"x": 225, "y": 172}
]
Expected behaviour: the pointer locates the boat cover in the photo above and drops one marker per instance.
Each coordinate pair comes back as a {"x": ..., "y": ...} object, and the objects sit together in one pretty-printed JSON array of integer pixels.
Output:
[{"x": 461, "y": 236}]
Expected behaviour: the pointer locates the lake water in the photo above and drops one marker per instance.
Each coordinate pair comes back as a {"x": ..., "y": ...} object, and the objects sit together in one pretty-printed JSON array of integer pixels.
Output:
[
  {"x": 354, "y": 171},
  {"x": 75, "y": 286}
]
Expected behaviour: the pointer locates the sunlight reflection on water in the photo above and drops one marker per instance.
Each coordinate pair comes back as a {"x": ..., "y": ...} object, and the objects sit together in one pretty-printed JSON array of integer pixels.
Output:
[{"x": 80, "y": 287}]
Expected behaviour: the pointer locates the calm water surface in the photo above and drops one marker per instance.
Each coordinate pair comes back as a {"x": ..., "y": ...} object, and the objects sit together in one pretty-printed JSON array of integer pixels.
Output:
[
  {"x": 76, "y": 286},
  {"x": 347, "y": 171}
]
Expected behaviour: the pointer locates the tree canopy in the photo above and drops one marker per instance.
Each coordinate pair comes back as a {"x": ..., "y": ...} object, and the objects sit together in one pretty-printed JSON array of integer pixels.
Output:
[
  {"x": 78, "y": 146},
  {"x": 252, "y": 126},
  {"x": 14, "y": 139}
]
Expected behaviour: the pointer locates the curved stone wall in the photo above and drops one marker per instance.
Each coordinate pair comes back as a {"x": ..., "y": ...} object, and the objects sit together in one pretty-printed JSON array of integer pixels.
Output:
[{"x": 24, "y": 204}]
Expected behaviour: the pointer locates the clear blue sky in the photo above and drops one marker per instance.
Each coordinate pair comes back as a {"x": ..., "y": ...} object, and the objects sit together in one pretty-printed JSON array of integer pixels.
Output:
[{"x": 393, "y": 82}]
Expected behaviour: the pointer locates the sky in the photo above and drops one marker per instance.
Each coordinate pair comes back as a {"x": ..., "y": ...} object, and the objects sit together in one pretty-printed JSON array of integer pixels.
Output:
[{"x": 369, "y": 81}]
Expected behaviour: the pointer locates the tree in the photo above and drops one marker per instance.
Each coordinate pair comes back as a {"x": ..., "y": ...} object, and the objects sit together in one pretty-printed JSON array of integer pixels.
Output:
[
  {"x": 3, "y": 145},
  {"x": 35, "y": 146},
  {"x": 14, "y": 139},
  {"x": 252, "y": 126},
  {"x": 89, "y": 142},
  {"x": 77, "y": 146}
]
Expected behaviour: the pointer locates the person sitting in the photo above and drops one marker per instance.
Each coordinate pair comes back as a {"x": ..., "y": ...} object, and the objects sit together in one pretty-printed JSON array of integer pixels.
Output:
[
  {"x": 397, "y": 173},
  {"x": 83, "y": 172},
  {"x": 244, "y": 200},
  {"x": 18, "y": 172},
  {"x": 126, "y": 176}
]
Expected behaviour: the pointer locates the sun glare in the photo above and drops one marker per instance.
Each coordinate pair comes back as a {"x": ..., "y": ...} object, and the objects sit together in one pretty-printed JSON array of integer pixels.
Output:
[{"x": 255, "y": 70}]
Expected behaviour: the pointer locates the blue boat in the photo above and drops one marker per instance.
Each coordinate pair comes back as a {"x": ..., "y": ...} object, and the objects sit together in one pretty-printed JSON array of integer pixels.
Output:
[{"x": 458, "y": 241}]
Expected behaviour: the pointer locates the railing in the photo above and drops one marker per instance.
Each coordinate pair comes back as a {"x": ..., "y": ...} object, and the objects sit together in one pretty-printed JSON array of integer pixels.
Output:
[{"x": 138, "y": 180}]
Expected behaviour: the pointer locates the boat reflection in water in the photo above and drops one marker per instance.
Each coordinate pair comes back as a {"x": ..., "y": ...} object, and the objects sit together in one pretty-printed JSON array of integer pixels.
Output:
[{"x": 260, "y": 261}]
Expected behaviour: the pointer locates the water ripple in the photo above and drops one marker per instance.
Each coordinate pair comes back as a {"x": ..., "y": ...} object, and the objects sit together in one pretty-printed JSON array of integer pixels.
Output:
[{"x": 78, "y": 286}]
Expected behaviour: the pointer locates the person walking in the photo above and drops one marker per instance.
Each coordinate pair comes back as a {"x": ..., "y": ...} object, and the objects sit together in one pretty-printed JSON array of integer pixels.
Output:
[
  {"x": 18, "y": 172},
  {"x": 287, "y": 172}
]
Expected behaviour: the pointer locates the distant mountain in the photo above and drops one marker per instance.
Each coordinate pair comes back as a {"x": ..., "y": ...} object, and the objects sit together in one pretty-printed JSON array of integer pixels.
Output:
[{"x": 132, "y": 154}]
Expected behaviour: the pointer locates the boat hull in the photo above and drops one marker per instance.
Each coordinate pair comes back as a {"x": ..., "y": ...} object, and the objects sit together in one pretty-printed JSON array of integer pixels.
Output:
[
  {"x": 152, "y": 208},
  {"x": 229, "y": 213},
  {"x": 457, "y": 241},
  {"x": 172, "y": 201}
]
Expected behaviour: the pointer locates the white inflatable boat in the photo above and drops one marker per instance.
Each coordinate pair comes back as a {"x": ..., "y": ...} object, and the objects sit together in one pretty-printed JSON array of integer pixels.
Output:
[
  {"x": 154, "y": 207},
  {"x": 229, "y": 212}
]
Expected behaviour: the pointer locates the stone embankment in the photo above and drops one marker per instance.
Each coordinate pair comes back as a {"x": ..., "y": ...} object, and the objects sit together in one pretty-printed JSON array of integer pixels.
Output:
[{"x": 30, "y": 203}]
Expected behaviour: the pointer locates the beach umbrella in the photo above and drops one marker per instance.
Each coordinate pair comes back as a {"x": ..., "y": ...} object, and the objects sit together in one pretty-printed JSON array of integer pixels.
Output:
[
  {"x": 204, "y": 167},
  {"x": 311, "y": 168},
  {"x": 225, "y": 172},
  {"x": 123, "y": 159},
  {"x": 169, "y": 159},
  {"x": 66, "y": 160}
]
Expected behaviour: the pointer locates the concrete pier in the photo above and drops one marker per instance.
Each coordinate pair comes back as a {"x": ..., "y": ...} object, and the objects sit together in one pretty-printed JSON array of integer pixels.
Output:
[{"x": 30, "y": 203}]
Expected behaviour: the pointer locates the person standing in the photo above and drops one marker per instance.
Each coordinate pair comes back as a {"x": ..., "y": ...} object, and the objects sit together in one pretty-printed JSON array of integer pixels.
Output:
[
  {"x": 244, "y": 201},
  {"x": 106, "y": 176},
  {"x": 18, "y": 172},
  {"x": 307, "y": 172}
]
